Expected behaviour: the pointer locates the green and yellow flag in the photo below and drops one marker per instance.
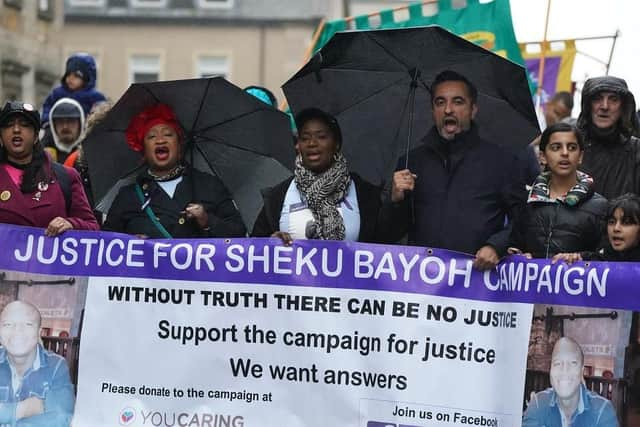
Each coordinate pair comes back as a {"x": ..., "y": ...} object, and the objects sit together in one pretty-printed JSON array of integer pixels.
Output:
[{"x": 486, "y": 24}]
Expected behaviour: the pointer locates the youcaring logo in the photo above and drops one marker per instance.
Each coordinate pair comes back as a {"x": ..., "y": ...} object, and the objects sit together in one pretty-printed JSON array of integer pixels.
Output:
[{"x": 127, "y": 416}]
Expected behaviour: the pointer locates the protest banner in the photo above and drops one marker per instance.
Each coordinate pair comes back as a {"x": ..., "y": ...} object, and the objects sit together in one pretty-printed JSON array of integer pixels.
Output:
[{"x": 248, "y": 332}]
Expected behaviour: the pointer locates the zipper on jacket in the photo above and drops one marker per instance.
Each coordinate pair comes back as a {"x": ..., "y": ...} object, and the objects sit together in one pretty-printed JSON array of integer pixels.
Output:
[{"x": 550, "y": 233}]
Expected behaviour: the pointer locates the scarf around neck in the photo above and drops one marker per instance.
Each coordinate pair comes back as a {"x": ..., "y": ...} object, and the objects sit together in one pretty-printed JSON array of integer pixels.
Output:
[
  {"x": 540, "y": 191},
  {"x": 323, "y": 192}
]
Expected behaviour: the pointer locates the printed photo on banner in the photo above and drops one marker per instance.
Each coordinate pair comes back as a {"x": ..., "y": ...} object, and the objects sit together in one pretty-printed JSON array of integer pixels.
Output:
[
  {"x": 585, "y": 356},
  {"x": 241, "y": 332},
  {"x": 40, "y": 318}
]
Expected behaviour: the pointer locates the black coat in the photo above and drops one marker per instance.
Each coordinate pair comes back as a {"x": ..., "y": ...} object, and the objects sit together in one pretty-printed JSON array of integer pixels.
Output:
[
  {"x": 606, "y": 253},
  {"x": 369, "y": 203},
  {"x": 547, "y": 228},
  {"x": 126, "y": 215},
  {"x": 465, "y": 191},
  {"x": 614, "y": 165}
]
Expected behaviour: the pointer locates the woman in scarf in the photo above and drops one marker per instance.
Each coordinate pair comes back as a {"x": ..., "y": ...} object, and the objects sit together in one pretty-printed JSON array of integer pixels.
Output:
[
  {"x": 34, "y": 191},
  {"x": 322, "y": 200},
  {"x": 170, "y": 199},
  {"x": 563, "y": 213}
]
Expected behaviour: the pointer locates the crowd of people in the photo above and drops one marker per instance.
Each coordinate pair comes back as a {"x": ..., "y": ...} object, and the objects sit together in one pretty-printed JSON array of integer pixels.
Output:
[{"x": 456, "y": 190}]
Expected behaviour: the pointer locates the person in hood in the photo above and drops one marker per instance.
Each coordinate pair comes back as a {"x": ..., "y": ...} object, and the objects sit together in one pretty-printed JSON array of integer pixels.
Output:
[
  {"x": 610, "y": 126},
  {"x": 462, "y": 187},
  {"x": 78, "y": 82},
  {"x": 67, "y": 129},
  {"x": 77, "y": 160}
]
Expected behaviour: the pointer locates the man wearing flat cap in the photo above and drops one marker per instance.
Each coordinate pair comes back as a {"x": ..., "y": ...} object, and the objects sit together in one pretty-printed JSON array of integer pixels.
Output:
[{"x": 610, "y": 126}]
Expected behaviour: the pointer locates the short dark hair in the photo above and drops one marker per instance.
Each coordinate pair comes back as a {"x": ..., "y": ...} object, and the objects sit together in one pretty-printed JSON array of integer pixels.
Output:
[
  {"x": 560, "y": 127},
  {"x": 452, "y": 76},
  {"x": 630, "y": 205},
  {"x": 317, "y": 114},
  {"x": 565, "y": 97}
]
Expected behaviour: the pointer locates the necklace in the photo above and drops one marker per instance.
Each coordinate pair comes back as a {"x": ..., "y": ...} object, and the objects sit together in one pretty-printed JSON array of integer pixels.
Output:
[{"x": 173, "y": 174}]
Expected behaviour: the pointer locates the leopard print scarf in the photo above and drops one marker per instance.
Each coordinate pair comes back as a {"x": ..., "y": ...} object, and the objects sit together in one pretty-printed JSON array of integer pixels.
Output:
[{"x": 323, "y": 192}]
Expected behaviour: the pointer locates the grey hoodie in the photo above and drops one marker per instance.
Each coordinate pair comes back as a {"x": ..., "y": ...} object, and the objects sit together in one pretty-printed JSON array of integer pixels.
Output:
[{"x": 78, "y": 112}]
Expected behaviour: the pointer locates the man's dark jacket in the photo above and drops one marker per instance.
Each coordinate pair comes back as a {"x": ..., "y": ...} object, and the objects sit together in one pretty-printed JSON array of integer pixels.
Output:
[
  {"x": 611, "y": 156},
  {"x": 465, "y": 191},
  {"x": 614, "y": 164},
  {"x": 369, "y": 204}
]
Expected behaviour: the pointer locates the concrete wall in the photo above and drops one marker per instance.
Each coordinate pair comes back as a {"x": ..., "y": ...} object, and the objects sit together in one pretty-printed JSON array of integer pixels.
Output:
[
  {"x": 262, "y": 54},
  {"x": 30, "y": 50}
]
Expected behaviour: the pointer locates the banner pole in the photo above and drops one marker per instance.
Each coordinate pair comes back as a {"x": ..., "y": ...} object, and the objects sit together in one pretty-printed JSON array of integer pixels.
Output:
[
  {"x": 543, "y": 52},
  {"x": 613, "y": 46}
]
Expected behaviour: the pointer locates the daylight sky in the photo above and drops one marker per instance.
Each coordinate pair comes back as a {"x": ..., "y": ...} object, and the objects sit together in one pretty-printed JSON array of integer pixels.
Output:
[{"x": 586, "y": 18}]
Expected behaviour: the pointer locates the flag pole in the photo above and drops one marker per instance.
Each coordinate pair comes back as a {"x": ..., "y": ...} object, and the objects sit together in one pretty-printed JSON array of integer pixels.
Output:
[
  {"x": 613, "y": 47},
  {"x": 543, "y": 53}
]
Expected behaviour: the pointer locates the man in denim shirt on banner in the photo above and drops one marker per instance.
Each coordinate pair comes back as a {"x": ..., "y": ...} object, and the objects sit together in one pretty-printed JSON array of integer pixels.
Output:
[
  {"x": 568, "y": 403},
  {"x": 35, "y": 388}
]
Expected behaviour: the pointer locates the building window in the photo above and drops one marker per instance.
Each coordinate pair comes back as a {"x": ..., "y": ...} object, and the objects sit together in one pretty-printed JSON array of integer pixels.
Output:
[
  {"x": 92, "y": 3},
  {"x": 148, "y": 3},
  {"x": 144, "y": 68},
  {"x": 45, "y": 9},
  {"x": 212, "y": 66},
  {"x": 12, "y": 73},
  {"x": 17, "y": 4},
  {"x": 210, "y": 4}
]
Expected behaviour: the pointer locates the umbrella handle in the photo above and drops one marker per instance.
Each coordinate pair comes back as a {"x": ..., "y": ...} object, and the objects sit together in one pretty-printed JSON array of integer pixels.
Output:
[{"x": 412, "y": 98}]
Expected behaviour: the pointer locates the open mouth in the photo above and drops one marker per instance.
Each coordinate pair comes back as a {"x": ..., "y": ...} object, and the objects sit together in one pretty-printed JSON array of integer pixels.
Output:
[
  {"x": 161, "y": 153},
  {"x": 16, "y": 141},
  {"x": 450, "y": 124},
  {"x": 313, "y": 156},
  {"x": 616, "y": 241}
]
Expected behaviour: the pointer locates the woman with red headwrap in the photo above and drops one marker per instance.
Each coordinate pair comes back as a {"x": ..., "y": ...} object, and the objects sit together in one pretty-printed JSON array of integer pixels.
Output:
[{"x": 170, "y": 199}]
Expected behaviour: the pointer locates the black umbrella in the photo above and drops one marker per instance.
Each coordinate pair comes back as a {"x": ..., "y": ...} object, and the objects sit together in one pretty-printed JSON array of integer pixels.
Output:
[
  {"x": 244, "y": 141},
  {"x": 377, "y": 83}
]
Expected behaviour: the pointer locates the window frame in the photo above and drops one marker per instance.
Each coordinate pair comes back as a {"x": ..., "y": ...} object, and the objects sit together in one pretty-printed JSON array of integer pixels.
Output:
[
  {"x": 199, "y": 56},
  {"x": 215, "y": 4},
  {"x": 151, "y": 4},
  {"x": 130, "y": 64},
  {"x": 87, "y": 3}
]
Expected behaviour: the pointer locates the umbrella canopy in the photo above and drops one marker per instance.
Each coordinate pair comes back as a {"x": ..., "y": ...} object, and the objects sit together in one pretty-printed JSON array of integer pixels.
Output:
[
  {"x": 377, "y": 84},
  {"x": 244, "y": 141}
]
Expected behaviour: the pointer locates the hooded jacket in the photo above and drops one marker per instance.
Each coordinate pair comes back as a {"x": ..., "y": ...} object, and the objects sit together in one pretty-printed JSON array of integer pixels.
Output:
[
  {"x": 63, "y": 150},
  {"x": 612, "y": 157},
  {"x": 87, "y": 96}
]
